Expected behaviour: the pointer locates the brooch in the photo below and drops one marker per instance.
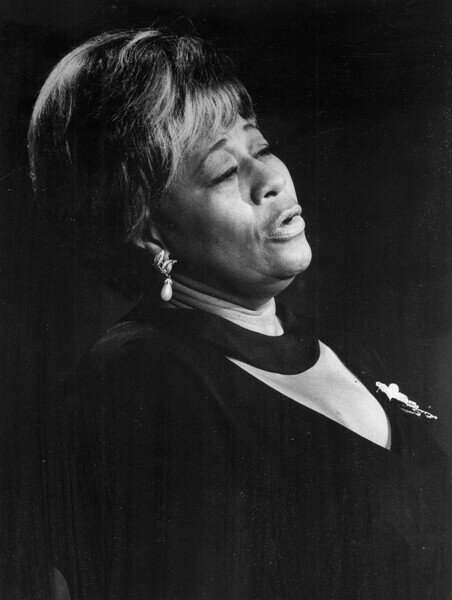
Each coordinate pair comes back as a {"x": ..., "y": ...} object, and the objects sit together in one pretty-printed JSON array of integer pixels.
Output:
[{"x": 393, "y": 393}]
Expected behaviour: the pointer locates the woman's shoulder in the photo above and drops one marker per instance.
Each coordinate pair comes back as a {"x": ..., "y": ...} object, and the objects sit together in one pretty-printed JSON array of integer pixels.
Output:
[
  {"x": 137, "y": 343},
  {"x": 137, "y": 359},
  {"x": 128, "y": 338}
]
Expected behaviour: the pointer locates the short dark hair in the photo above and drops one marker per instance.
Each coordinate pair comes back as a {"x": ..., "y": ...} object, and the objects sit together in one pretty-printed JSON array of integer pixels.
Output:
[{"x": 111, "y": 124}]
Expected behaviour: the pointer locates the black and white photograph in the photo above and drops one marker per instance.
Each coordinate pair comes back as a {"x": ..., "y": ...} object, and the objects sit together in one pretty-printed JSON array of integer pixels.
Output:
[{"x": 226, "y": 300}]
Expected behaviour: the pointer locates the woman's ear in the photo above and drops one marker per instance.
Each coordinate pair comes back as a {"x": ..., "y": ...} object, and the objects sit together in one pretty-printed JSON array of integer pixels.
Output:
[{"x": 153, "y": 242}]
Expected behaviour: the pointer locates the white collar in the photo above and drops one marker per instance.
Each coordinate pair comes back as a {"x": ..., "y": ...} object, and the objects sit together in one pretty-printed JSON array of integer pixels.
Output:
[{"x": 263, "y": 320}]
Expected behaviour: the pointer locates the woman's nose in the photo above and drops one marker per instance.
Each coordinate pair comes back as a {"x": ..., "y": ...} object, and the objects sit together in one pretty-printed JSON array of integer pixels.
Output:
[{"x": 267, "y": 182}]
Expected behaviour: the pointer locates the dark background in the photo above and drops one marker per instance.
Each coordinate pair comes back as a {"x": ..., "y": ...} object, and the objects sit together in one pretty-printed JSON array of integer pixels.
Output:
[{"x": 354, "y": 93}]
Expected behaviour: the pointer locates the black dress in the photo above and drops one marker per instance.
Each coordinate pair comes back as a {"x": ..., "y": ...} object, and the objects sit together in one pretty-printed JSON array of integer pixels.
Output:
[{"x": 182, "y": 477}]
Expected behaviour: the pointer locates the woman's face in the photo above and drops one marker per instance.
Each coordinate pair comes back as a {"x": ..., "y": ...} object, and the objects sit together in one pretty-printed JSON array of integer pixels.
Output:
[{"x": 233, "y": 220}]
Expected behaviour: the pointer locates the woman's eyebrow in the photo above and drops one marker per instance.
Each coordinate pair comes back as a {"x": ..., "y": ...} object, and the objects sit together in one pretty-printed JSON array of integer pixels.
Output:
[{"x": 216, "y": 146}]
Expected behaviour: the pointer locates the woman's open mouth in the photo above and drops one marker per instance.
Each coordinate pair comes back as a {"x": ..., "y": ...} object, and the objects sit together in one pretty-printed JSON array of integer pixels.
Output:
[{"x": 289, "y": 225}]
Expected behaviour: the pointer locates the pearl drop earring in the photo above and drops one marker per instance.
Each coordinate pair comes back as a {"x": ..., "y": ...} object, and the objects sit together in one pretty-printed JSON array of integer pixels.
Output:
[{"x": 165, "y": 267}]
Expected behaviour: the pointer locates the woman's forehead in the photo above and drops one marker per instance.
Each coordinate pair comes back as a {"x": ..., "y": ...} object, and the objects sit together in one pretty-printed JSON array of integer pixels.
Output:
[{"x": 214, "y": 140}]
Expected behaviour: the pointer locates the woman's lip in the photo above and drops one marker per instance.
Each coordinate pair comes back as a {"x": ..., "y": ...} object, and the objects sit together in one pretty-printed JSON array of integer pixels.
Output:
[
  {"x": 289, "y": 230},
  {"x": 288, "y": 214}
]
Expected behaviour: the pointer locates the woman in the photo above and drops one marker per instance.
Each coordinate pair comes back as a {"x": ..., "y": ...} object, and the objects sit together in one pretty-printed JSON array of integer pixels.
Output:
[{"x": 211, "y": 446}]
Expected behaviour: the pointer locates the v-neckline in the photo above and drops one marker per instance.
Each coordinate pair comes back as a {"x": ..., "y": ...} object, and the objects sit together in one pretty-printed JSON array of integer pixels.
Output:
[{"x": 388, "y": 410}]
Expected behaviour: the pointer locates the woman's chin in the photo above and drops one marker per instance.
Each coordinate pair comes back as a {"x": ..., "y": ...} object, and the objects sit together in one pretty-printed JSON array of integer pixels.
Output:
[{"x": 293, "y": 258}]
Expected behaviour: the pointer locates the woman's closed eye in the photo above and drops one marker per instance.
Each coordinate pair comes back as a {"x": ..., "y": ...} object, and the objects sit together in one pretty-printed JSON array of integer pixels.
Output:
[
  {"x": 264, "y": 151},
  {"x": 225, "y": 176},
  {"x": 230, "y": 173}
]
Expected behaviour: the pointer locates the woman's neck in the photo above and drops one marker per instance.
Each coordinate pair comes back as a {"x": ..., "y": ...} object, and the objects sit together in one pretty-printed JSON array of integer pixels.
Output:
[{"x": 263, "y": 320}]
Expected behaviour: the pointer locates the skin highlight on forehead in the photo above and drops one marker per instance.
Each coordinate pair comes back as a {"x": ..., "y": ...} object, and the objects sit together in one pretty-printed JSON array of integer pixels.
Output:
[{"x": 221, "y": 142}]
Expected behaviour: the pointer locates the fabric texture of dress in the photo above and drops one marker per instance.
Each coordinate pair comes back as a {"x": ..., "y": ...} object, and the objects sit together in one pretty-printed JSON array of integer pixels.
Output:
[{"x": 179, "y": 476}]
